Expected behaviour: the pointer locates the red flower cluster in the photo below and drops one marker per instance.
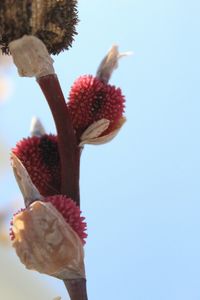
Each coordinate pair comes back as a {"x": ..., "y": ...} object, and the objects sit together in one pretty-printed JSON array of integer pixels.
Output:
[
  {"x": 91, "y": 99},
  {"x": 71, "y": 213},
  {"x": 40, "y": 157}
]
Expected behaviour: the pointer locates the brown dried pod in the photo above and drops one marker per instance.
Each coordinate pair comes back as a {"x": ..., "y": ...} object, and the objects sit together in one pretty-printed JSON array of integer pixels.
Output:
[
  {"x": 46, "y": 243},
  {"x": 52, "y": 21}
]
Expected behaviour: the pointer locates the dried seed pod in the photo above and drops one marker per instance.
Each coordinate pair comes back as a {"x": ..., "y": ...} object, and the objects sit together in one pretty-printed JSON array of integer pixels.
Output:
[
  {"x": 46, "y": 243},
  {"x": 52, "y": 21}
]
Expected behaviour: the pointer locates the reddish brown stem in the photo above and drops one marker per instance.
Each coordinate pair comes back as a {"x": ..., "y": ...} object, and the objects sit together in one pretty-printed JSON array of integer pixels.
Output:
[
  {"x": 69, "y": 156},
  {"x": 68, "y": 150},
  {"x": 76, "y": 289}
]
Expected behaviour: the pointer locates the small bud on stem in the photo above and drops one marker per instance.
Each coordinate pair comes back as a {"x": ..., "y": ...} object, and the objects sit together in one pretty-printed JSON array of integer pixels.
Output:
[
  {"x": 36, "y": 128},
  {"x": 110, "y": 63}
]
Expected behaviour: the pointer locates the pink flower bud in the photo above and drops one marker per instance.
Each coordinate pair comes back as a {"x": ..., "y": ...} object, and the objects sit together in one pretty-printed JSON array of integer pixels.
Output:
[
  {"x": 70, "y": 212},
  {"x": 91, "y": 100},
  {"x": 40, "y": 157}
]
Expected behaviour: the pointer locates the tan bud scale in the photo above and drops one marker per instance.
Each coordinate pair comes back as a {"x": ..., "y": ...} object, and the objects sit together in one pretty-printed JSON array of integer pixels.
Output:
[
  {"x": 110, "y": 63},
  {"x": 103, "y": 139},
  {"x": 94, "y": 131},
  {"x": 46, "y": 243}
]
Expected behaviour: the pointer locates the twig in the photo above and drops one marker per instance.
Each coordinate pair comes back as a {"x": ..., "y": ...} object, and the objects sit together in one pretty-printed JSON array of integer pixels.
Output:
[
  {"x": 76, "y": 289},
  {"x": 69, "y": 156},
  {"x": 67, "y": 143}
]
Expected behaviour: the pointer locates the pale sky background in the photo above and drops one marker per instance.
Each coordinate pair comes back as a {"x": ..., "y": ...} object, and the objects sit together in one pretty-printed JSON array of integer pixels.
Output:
[{"x": 140, "y": 193}]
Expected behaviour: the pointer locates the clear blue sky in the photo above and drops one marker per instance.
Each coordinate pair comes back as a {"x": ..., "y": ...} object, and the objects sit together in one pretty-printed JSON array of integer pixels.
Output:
[{"x": 141, "y": 192}]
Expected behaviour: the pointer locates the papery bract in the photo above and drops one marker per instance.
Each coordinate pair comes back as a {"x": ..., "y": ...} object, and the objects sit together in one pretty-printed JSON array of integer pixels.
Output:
[{"x": 45, "y": 242}]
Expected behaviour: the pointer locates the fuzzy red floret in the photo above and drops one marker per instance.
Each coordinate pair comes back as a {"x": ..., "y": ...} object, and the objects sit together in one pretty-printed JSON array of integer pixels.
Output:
[
  {"x": 40, "y": 157},
  {"x": 71, "y": 213},
  {"x": 90, "y": 100}
]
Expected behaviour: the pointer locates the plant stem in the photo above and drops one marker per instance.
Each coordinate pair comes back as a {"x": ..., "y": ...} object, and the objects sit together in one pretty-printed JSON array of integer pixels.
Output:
[
  {"x": 69, "y": 153},
  {"x": 68, "y": 150},
  {"x": 76, "y": 289}
]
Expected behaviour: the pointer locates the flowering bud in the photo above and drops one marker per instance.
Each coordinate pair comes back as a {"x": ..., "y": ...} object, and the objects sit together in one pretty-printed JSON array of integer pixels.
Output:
[
  {"x": 91, "y": 100},
  {"x": 70, "y": 212},
  {"x": 40, "y": 157},
  {"x": 96, "y": 107},
  {"x": 45, "y": 242}
]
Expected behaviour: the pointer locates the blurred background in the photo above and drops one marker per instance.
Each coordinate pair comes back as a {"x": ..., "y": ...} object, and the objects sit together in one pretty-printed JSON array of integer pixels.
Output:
[{"x": 140, "y": 193}]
